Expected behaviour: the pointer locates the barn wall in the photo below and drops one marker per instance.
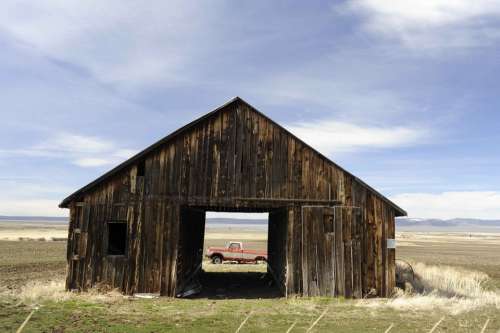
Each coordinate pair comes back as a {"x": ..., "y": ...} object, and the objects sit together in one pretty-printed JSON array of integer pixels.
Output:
[
  {"x": 189, "y": 246},
  {"x": 276, "y": 246},
  {"x": 236, "y": 159}
]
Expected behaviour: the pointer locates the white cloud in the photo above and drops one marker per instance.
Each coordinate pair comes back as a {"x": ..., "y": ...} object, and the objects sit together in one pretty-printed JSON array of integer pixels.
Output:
[
  {"x": 83, "y": 151},
  {"x": 65, "y": 142},
  {"x": 448, "y": 205},
  {"x": 31, "y": 197},
  {"x": 31, "y": 207},
  {"x": 429, "y": 12},
  {"x": 329, "y": 136},
  {"x": 115, "y": 41},
  {"x": 431, "y": 23}
]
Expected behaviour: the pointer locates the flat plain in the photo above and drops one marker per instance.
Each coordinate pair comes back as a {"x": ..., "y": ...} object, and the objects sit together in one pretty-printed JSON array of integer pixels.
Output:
[{"x": 32, "y": 274}]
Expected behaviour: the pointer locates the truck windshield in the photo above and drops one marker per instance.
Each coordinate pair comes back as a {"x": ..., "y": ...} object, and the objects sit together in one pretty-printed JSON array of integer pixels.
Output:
[{"x": 234, "y": 246}]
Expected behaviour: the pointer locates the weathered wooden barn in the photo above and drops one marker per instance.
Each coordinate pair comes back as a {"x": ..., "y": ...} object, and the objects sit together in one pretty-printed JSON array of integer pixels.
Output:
[{"x": 140, "y": 227}]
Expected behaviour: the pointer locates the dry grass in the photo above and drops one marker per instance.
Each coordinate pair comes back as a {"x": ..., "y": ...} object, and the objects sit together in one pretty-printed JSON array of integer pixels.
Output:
[
  {"x": 441, "y": 287},
  {"x": 233, "y": 267},
  {"x": 37, "y": 292},
  {"x": 449, "y": 281}
]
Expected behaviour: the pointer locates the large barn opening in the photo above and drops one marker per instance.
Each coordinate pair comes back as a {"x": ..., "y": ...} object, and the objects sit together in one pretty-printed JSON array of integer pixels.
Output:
[{"x": 230, "y": 253}]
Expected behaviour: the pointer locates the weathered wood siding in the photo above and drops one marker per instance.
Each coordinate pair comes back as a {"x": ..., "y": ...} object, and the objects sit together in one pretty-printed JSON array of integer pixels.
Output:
[
  {"x": 190, "y": 246},
  {"x": 276, "y": 246},
  {"x": 235, "y": 159},
  {"x": 332, "y": 251}
]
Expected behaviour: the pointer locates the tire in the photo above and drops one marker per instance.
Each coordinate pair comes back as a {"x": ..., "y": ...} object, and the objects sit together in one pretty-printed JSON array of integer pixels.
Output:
[
  {"x": 259, "y": 260},
  {"x": 216, "y": 260}
]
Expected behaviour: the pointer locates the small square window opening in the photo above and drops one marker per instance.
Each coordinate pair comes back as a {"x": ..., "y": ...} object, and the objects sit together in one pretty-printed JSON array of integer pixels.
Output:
[{"x": 117, "y": 238}]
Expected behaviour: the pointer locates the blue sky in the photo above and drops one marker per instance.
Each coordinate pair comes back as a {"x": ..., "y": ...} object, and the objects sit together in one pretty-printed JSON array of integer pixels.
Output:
[{"x": 403, "y": 94}]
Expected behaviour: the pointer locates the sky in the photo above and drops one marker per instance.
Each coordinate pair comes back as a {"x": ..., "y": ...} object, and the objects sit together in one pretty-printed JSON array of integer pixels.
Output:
[{"x": 403, "y": 94}]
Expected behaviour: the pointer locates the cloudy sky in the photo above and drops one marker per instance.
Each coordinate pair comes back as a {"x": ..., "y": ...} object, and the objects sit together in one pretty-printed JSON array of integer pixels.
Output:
[{"x": 404, "y": 94}]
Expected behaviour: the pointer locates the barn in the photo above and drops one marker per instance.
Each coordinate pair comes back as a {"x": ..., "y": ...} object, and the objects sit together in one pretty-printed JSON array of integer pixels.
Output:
[{"x": 140, "y": 227}]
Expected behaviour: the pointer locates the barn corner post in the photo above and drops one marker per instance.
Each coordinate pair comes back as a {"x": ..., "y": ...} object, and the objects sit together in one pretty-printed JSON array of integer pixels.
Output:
[
  {"x": 387, "y": 255},
  {"x": 69, "y": 246},
  {"x": 391, "y": 281},
  {"x": 76, "y": 248}
]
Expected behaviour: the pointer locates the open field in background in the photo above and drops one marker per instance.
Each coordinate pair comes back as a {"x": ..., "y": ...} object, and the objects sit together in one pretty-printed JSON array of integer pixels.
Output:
[
  {"x": 473, "y": 251},
  {"x": 254, "y": 239},
  {"x": 38, "y": 230},
  {"x": 32, "y": 274}
]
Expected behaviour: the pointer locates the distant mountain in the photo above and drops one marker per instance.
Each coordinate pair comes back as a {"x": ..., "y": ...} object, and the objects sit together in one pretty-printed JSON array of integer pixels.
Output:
[
  {"x": 402, "y": 223},
  {"x": 54, "y": 219},
  {"x": 461, "y": 224},
  {"x": 236, "y": 221}
]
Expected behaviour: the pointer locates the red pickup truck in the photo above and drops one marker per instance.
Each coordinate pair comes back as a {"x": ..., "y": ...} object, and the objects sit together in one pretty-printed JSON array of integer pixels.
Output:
[{"x": 234, "y": 252}]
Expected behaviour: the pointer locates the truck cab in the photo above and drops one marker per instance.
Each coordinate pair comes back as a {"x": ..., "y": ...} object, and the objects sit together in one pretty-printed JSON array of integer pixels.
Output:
[{"x": 233, "y": 251}]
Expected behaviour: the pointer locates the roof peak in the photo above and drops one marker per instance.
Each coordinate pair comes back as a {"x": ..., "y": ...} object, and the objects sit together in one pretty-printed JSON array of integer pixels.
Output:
[{"x": 234, "y": 99}]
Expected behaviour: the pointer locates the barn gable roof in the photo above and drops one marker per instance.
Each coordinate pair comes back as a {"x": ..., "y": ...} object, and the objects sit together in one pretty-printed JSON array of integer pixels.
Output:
[{"x": 65, "y": 203}]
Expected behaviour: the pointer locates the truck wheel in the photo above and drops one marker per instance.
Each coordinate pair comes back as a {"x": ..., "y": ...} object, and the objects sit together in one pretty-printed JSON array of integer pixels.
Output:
[
  {"x": 259, "y": 260},
  {"x": 216, "y": 260}
]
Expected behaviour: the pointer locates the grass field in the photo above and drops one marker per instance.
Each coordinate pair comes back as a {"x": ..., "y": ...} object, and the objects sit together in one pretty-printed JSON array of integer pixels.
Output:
[{"x": 32, "y": 273}]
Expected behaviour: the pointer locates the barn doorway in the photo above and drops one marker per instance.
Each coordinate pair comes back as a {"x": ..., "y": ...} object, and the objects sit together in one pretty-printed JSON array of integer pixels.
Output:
[{"x": 229, "y": 253}]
